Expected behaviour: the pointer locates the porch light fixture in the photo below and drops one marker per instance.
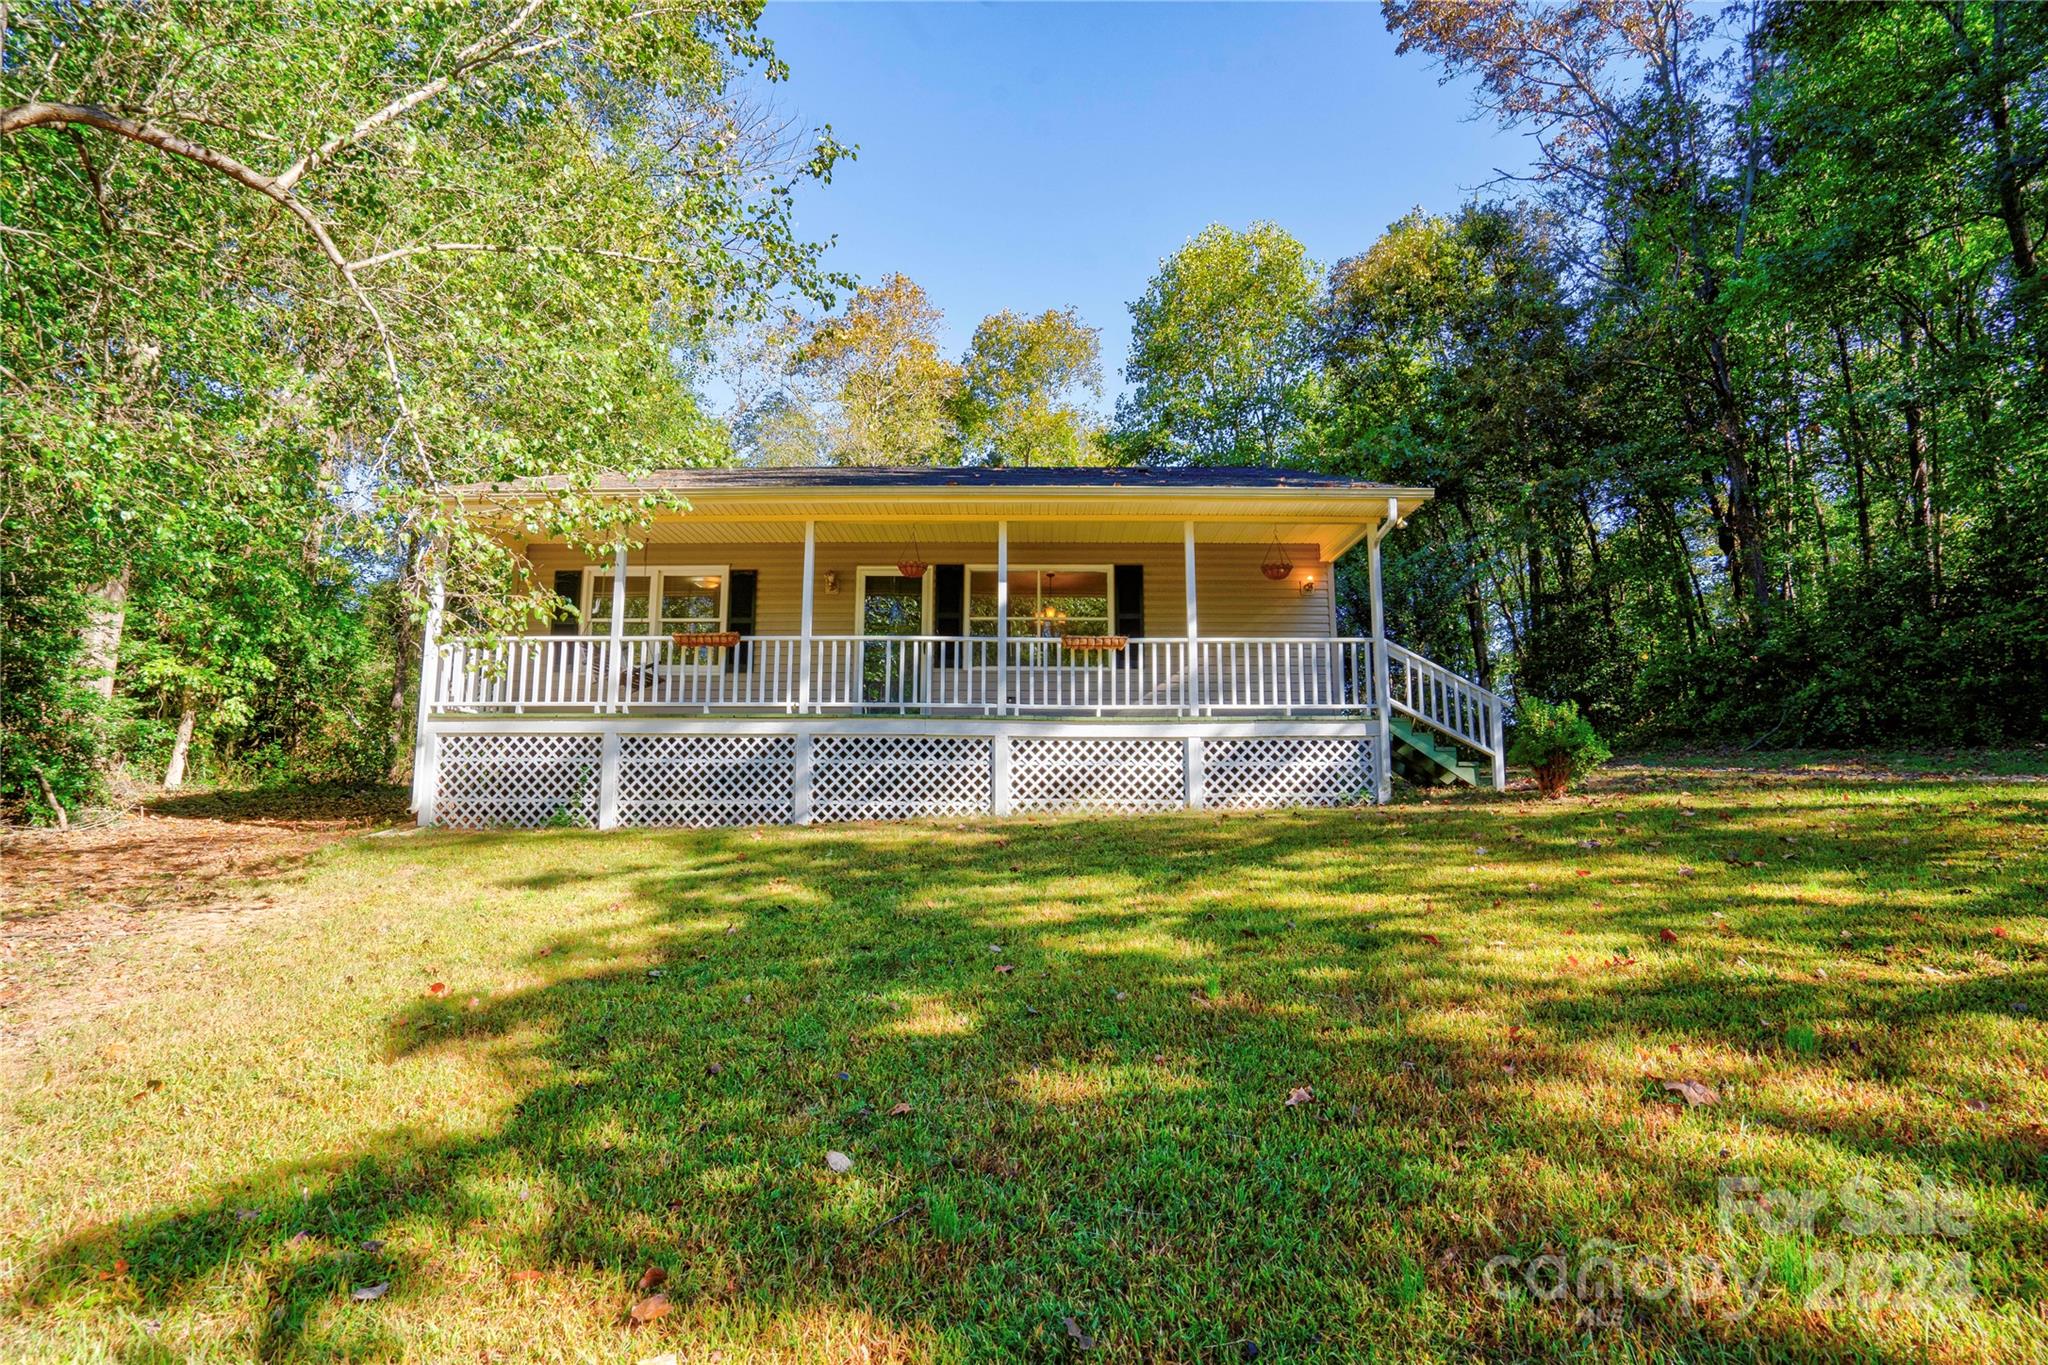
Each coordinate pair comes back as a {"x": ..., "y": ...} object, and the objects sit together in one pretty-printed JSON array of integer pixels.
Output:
[
  {"x": 1308, "y": 584},
  {"x": 1277, "y": 566},
  {"x": 831, "y": 580},
  {"x": 911, "y": 566}
]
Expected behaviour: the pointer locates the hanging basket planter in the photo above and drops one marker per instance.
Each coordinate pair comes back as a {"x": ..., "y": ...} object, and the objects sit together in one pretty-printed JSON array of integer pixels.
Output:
[
  {"x": 911, "y": 565},
  {"x": 1095, "y": 644},
  {"x": 710, "y": 639},
  {"x": 1277, "y": 566}
]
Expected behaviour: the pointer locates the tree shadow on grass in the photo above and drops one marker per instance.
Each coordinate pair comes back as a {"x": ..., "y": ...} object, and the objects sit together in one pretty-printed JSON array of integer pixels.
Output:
[{"x": 1101, "y": 1131}]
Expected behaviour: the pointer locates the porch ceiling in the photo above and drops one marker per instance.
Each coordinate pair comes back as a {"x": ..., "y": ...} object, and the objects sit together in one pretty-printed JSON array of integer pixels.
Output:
[{"x": 1332, "y": 515}]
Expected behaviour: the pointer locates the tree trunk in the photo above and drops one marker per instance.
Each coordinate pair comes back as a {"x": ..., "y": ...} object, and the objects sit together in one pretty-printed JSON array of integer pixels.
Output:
[
  {"x": 1916, "y": 454},
  {"x": 100, "y": 642},
  {"x": 1475, "y": 600},
  {"x": 405, "y": 651},
  {"x": 174, "y": 774},
  {"x": 1853, "y": 438}
]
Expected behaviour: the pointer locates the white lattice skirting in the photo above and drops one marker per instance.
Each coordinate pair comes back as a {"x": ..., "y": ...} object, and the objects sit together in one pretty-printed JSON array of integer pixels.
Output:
[
  {"x": 521, "y": 780},
  {"x": 1119, "y": 776},
  {"x": 1304, "y": 770},
  {"x": 530, "y": 779},
  {"x": 701, "y": 781},
  {"x": 899, "y": 777}
]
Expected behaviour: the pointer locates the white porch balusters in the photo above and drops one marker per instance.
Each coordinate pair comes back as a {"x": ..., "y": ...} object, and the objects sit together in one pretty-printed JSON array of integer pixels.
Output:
[{"x": 1383, "y": 777}]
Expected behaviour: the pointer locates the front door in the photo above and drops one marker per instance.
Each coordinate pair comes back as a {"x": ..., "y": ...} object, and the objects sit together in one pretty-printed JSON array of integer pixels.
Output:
[{"x": 893, "y": 663}]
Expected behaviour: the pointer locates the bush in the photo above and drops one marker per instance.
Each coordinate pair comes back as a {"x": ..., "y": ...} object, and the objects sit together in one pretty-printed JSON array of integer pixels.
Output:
[{"x": 1556, "y": 743}]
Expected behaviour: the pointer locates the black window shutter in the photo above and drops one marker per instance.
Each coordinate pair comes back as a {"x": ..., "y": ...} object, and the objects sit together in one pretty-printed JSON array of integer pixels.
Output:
[
  {"x": 1130, "y": 605},
  {"x": 949, "y": 607},
  {"x": 568, "y": 586},
  {"x": 741, "y": 594}
]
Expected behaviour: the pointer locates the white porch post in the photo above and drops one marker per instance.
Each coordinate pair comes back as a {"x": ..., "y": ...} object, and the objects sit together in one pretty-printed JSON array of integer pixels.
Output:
[
  {"x": 1191, "y": 686},
  {"x": 1383, "y": 776},
  {"x": 610, "y": 746},
  {"x": 426, "y": 749},
  {"x": 803, "y": 686},
  {"x": 615, "y": 642},
  {"x": 999, "y": 773},
  {"x": 803, "y": 807},
  {"x": 1002, "y": 618}
]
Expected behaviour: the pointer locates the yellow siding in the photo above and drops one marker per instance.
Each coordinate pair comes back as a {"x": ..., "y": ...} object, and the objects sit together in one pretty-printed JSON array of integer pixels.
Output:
[{"x": 1233, "y": 597}]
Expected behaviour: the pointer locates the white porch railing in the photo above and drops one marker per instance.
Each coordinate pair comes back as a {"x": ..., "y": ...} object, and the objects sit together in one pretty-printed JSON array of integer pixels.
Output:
[
  {"x": 921, "y": 674},
  {"x": 1443, "y": 700}
]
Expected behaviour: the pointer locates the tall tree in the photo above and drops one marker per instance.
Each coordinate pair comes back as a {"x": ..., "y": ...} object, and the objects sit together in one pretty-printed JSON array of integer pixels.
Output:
[
  {"x": 886, "y": 394},
  {"x": 1026, "y": 388},
  {"x": 1221, "y": 365},
  {"x": 385, "y": 248}
]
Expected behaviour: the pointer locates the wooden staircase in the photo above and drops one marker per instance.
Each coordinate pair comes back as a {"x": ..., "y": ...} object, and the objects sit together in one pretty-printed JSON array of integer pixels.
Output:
[
  {"x": 1427, "y": 758},
  {"x": 1442, "y": 728}
]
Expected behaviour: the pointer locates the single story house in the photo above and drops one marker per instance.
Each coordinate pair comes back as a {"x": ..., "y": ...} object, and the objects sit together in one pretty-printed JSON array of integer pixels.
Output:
[{"x": 806, "y": 645}]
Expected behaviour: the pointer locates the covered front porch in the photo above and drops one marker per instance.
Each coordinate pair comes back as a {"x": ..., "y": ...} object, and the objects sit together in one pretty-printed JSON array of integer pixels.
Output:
[{"x": 1111, "y": 622}]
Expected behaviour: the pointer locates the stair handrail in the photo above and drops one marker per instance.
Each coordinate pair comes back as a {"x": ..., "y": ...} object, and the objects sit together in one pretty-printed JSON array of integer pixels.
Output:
[{"x": 1426, "y": 691}]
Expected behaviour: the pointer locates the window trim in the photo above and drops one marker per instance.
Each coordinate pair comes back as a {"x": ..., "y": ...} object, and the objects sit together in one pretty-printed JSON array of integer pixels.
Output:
[
  {"x": 1108, "y": 572},
  {"x": 863, "y": 573},
  {"x": 656, "y": 573}
]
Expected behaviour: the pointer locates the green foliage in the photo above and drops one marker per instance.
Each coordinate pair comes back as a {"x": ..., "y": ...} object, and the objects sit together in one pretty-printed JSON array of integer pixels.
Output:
[
  {"x": 1555, "y": 738},
  {"x": 1222, "y": 352},
  {"x": 1024, "y": 389},
  {"x": 306, "y": 264}
]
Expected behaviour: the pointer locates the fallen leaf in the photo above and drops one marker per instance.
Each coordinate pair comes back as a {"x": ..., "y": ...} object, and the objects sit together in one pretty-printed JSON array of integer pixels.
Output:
[
  {"x": 439, "y": 988},
  {"x": 899, "y": 1111},
  {"x": 1974, "y": 1106},
  {"x": 522, "y": 1277},
  {"x": 371, "y": 1292},
  {"x": 654, "y": 1277},
  {"x": 839, "y": 1162},
  {"x": 1694, "y": 1093},
  {"x": 713, "y": 1069},
  {"x": 1432, "y": 940},
  {"x": 649, "y": 1308},
  {"x": 1005, "y": 968},
  {"x": 1082, "y": 1341},
  {"x": 1687, "y": 872},
  {"x": 2001, "y": 932},
  {"x": 1301, "y": 1094},
  {"x": 1667, "y": 935}
]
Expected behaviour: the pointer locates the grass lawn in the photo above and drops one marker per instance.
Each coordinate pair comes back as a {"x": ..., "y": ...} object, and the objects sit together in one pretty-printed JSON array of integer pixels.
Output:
[{"x": 504, "y": 1076}]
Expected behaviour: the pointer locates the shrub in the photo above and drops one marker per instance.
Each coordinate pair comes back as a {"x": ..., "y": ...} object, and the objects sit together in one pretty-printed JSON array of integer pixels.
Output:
[{"x": 1556, "y": 743}]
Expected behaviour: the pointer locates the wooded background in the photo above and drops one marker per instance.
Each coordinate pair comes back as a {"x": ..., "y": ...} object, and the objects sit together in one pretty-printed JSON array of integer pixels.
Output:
[{"x": 1734, "y": 404}]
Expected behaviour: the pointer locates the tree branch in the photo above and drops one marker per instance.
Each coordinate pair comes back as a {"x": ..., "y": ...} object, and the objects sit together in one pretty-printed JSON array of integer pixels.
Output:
[{"x": 479, "y": 53}]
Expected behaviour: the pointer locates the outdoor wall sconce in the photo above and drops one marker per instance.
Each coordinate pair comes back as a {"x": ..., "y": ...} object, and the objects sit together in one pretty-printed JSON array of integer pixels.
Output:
[
  {"x": 1308, "y": 584},
  {"x": 831, "y": 580}
]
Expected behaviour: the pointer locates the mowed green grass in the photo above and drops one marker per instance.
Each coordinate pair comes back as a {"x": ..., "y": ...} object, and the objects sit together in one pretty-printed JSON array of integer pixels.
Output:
[{"x": 648, "y": 1043}]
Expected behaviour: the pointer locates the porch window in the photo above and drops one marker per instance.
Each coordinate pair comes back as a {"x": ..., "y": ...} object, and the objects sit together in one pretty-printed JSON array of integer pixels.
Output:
[
  {"x": 1044, "y": 603},
  {"x": 660, "y": 601}
]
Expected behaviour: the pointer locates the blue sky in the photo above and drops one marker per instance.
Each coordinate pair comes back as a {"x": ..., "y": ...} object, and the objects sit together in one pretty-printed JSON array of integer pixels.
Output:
[{"x": 1033, "y": 156}]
